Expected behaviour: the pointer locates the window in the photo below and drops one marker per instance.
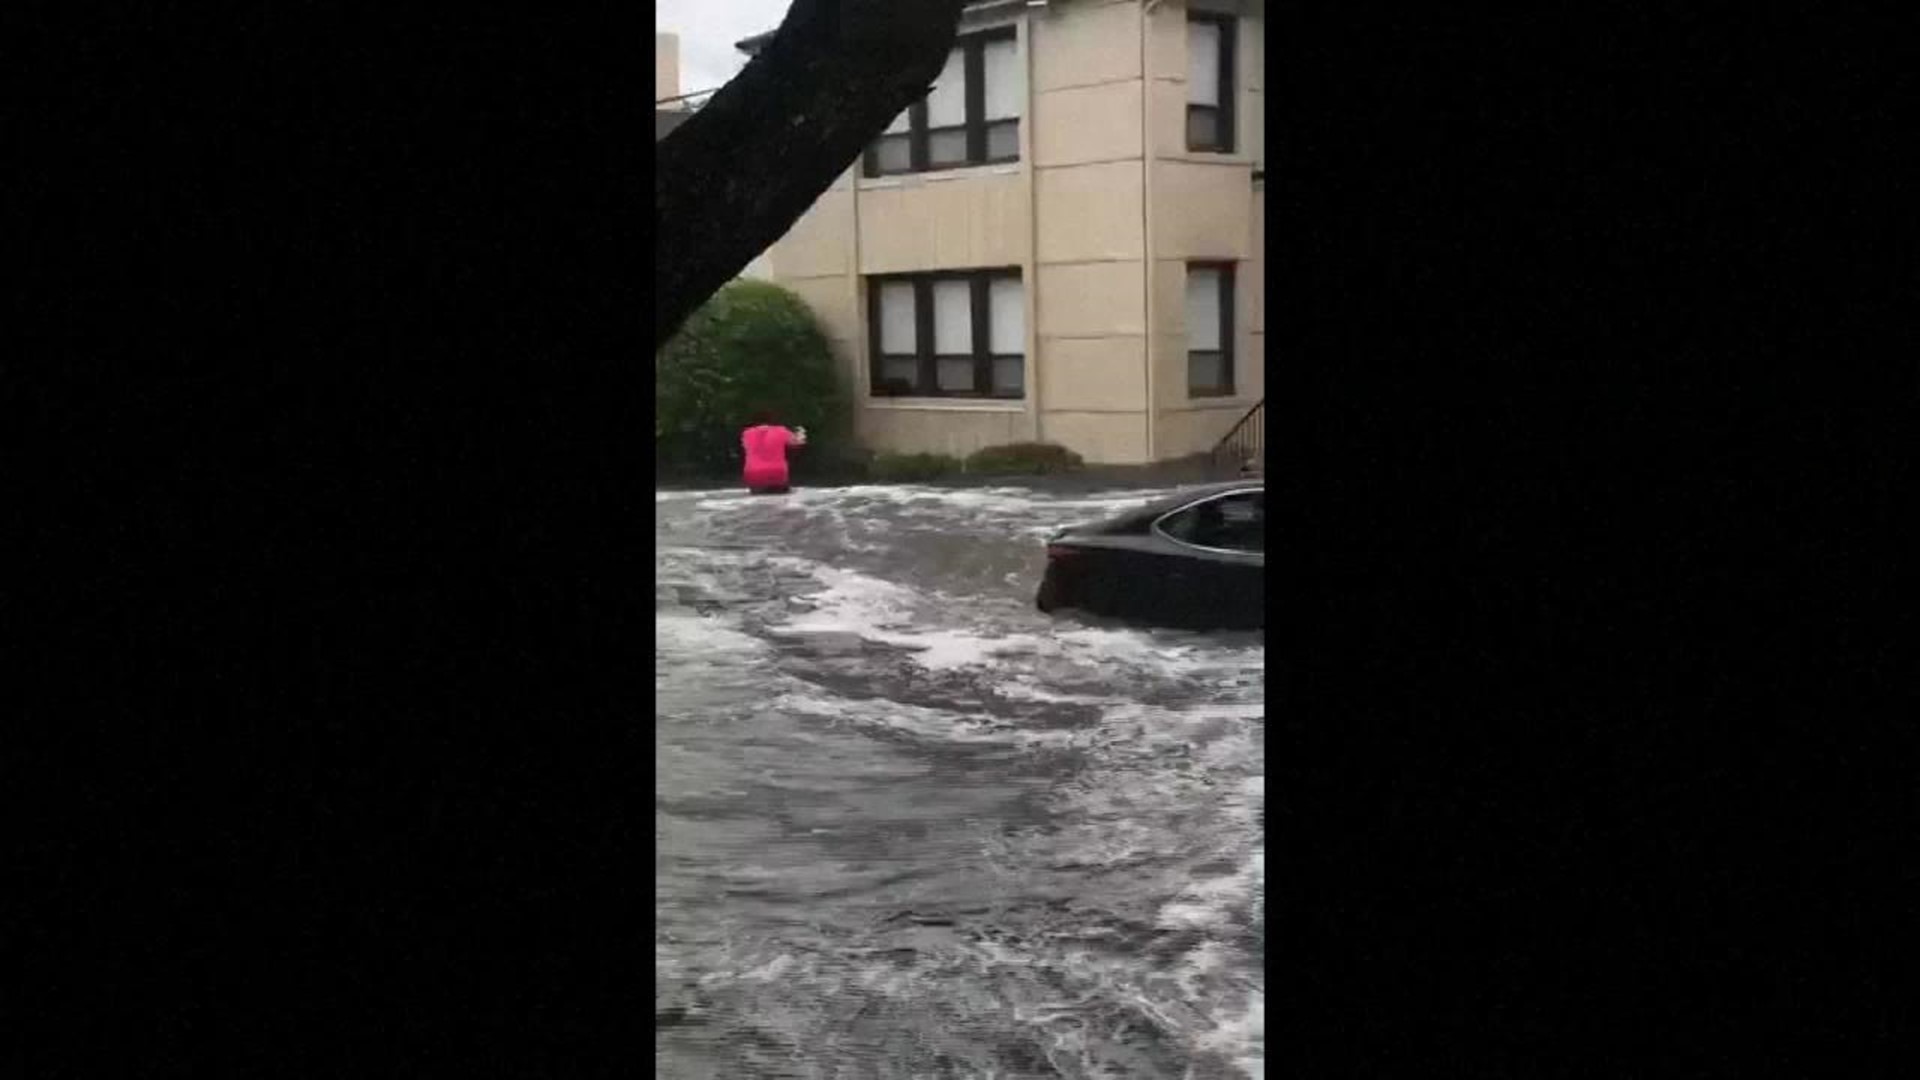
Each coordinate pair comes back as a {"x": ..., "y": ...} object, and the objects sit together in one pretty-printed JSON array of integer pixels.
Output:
[
  {"x": 970, "y": 117},
  {"x": 1210, "y": 50},
  {"x": 959, "y": 334},
  {"x": 1210, "y": 330},
  {"x": 1236, "y": 522}
]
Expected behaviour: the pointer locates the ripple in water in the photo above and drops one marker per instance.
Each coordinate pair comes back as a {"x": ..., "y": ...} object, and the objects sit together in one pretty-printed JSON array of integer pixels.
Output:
[{"x": 909, "y": 827}]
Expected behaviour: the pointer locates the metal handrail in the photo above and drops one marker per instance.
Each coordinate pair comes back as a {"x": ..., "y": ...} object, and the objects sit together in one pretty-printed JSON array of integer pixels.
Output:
[
  {"x": 1244, "y": 447},
  {"x": 684, "y": 105},
  {"x": 700, "y": 94}
]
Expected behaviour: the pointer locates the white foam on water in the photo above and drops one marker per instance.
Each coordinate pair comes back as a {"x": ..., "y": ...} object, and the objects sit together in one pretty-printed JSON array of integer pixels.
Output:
[
  {"x": 922, "y": 622},
  {"x": 999, "y": 512},
  {"x": 1167, "y": 785},
  {"x": 953, "y": 650},
  {"x": 943, "y": 724},
  {"x": 1153, "y": 765},
  {"x": 887, "y": 613},
  {"x": 995, "y": 510},
  {"x": 1240, "y": 1035},
  {"x": 1167, "y": 653},
  {"x": 1227, "y": 1024},
  {"x": 853, "y": 602},
  {"x": 1027, "y": 687},
  {"x": 689, "y": 636},
  {"x": 1210, "y": 903},
  {"x": 960, "y": 498}
]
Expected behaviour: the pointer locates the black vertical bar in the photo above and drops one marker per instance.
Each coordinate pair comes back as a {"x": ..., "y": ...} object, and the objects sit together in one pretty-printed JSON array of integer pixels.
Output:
[
  {"x": 917, "y": 136},
  {"x": 1228, "y": 39},
  {"x": 923, "y": 335},
  {"x": 1187, "y": 115},
  {"x": 981, "y": 296},
  {"x": 976, "y": 118},
  {"x": 1226, "y": 326},
  {"x": 876, "y": 361}
]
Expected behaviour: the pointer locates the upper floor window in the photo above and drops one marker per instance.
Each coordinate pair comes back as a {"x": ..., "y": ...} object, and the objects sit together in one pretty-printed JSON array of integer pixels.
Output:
[
  {"x": 1210, "y": 51},
  {"x": 970, "y": 117},
  {"x": 953, "y": 334},
  {"x": 1209, "y": 330}
]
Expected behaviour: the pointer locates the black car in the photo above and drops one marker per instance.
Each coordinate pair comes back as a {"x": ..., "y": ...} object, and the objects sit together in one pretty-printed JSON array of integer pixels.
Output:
[{"x": 1195, "y": 559}]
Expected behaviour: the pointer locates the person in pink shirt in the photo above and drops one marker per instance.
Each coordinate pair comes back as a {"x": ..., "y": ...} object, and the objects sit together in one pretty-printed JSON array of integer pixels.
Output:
[{"x": 766, "y": 444}]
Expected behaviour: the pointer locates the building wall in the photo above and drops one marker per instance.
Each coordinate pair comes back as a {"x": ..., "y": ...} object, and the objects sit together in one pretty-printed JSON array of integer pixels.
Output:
[
  {"x": 815, "y": 260},
  {"x": 967, "y": 217},
  {"x": 666, "y": 66},
  {"x": 956, "y": 219},
  {"x": 1089, "y": 191},
  {"x": 1100, "y": 214},
  {"x": 1205, "y": 207}
]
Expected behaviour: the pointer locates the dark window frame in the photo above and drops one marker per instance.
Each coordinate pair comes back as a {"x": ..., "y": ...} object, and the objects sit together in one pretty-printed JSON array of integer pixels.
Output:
[
  {"x": 975, "y": 125},
  {"x": 1257, "y": 496},
  {"x": 1225, "y": 123},
  {"x": 926, "y": 372},
  {"x": 1227, "y": 292}
]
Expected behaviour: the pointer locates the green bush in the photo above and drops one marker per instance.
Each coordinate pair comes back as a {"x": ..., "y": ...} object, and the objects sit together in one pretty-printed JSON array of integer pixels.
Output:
[
  {"x": 753, "y": 346},
  {"x": 844, "y": 462},
  {"x": 1023, "y": 459},
  {"x": 907, "y": 468}
]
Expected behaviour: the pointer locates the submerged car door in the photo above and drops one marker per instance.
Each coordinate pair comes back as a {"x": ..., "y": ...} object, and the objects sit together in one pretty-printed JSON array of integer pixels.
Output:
[{"x": 1216, "y": 570}]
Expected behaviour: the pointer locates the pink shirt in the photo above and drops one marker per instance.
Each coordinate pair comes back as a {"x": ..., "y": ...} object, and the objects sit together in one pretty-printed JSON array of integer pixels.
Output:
[{"x": 766, "y": 447}]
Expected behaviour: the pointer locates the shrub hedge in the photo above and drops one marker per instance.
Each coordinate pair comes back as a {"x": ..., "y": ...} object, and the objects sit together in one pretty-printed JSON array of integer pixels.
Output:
[
  {"x": 753, "y": 346},
  {"x": 908, "y": 468},
  {"x": 1023, "y": 459}
]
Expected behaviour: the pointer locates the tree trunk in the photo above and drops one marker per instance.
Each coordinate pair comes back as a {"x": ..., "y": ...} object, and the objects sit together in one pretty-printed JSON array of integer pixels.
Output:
[{"x": 731, "y": 180}]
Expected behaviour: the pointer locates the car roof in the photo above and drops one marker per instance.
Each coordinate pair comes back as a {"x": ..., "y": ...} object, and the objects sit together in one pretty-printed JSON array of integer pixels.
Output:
[
  {"x": 1183, "y": 496},
  {"x": 1200, "y": 491}
]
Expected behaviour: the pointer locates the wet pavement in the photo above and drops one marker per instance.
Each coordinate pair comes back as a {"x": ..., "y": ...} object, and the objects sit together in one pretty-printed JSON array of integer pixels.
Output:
[{"x": 907, "y": 826}]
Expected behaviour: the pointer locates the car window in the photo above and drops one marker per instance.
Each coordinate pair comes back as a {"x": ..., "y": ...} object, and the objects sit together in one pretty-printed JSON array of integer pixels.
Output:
[{"x": 1233, "y": 522}]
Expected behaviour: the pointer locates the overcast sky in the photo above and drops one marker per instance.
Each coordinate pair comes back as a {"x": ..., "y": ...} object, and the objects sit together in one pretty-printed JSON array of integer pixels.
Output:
[{"x": 708, "y": 29}]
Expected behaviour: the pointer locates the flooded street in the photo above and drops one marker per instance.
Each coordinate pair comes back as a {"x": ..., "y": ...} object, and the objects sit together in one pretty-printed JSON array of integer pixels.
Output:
[{"x": 908, "y": 826}]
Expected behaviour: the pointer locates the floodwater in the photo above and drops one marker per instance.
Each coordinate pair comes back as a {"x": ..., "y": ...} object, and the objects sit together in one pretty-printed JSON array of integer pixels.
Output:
[{"x": 907, "y": 826}]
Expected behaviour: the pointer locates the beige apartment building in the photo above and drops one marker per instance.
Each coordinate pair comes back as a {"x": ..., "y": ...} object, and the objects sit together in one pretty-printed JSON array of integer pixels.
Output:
[
  {"x": 1062, "y": 242},
  {"x": 666, "y": 66},
  {"x": 669, "y": 109}
]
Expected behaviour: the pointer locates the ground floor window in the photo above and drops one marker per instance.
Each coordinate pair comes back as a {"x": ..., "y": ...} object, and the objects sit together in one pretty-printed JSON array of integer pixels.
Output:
[
  {"x": 1209, "y": 329},
  {"x": 948, "y": 334}
]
